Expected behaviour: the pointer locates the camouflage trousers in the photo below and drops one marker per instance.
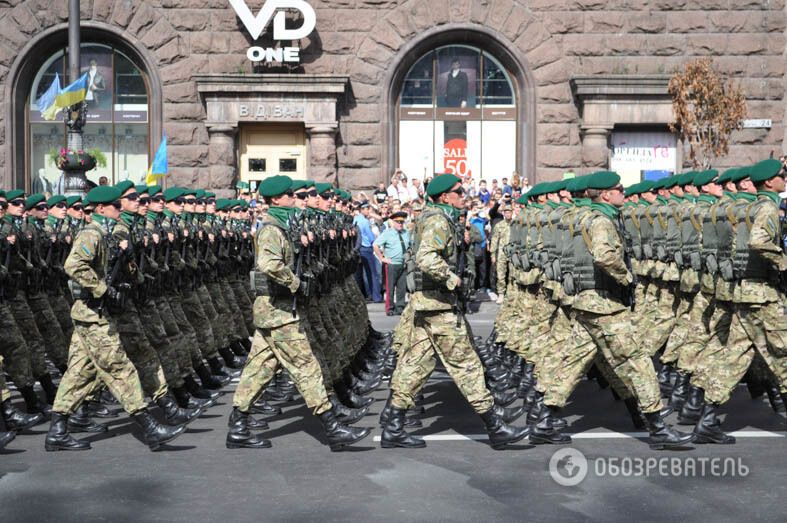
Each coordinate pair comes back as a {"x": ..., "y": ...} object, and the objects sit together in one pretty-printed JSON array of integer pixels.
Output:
[
  {"x": 219, "y": 330},
  {"x": 96, "y": 352},
  {"x": 195, "y": 313},
  {"x": 62, "y": 309},
  {"x": 238, "y": 328},
  {"x": 654, "y": 320},
  {"x": 189, "y": 348},
  {"x": 501, "y": 271},
  {"x": 613, "y": 335},
  {"x": 705, "y": 318},
  {"x": 53, "y": 336},
  {"x": 5, "y": 392},
  {"x": 522, "y": 301},
  {"x": 568, "y": 355},
  {"x": 437, "y": 332},
  {"x": 403, "y": 332},
  {"x": 223, "y": 326},
  {"x": 26, "y": 323},
  {"x": 542, "y": 314},
  {"x": 14, "y": 349},
  {"x": 505, "y": 312},
  {"x": 680, "y": 332},
  {"x": 238, "y": 287},
  {"x": 754, "y": 327},
  {"x": 156, "y": 333},
  {"x": 177, "y": 340},
  {"x": 140, "y": 352},
  {"x": 288, "y": 347}
]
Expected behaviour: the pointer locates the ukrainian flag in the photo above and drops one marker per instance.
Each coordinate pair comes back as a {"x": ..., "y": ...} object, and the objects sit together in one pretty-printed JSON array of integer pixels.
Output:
[
  {"x": 159, "y": 165},
  {"x": 46, "y": 104},
  {"x": 66, "y": 97}
]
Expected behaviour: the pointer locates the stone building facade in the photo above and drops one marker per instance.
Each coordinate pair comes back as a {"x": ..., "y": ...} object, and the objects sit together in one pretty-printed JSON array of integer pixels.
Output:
[{"x": 555, "y": 85}]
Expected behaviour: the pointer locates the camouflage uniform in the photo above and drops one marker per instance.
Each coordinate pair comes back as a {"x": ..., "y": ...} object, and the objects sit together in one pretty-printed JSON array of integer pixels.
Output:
[
  {"x": 435, "y": 324},
  {"x": 279, "y": 339},
  {"x": 500, "y": 236},
  {"x": 95, "y": 349}
]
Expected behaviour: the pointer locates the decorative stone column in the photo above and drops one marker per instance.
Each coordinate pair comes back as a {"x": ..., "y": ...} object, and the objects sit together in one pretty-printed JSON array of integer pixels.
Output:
[
  {"x": 221, "y": 156},
  {"x": 322, "y": 152},
  {"x": 595, "y": 145}
]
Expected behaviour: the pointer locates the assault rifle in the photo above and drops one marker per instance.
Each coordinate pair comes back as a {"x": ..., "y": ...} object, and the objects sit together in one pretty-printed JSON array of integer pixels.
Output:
[
  {"x": 460, "y": 293},
  {"x": 112, "y": 279}
]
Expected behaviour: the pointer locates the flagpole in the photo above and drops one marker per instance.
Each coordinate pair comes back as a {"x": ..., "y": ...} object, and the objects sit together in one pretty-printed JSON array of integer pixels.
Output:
[{"x": 75, "y": 181}]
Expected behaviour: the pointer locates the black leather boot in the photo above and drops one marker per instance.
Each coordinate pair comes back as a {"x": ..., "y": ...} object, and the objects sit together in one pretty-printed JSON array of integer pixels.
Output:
[
  {"x": 500, "y": 433},
  {"x": 154, "y": 433},
  {"x": 546, "y": 430},
  {"x": 662, "y": 436},
  {"x": 692, "y": 409},
  {"x": 344, "y": 414},
  {"x": 409, "y": 421},
  {"x": 680, "y": 392},
  {"x": 174, "y": 415},
  {"x": 16, "y": 420},
  {"x": 364, "y": 387},
  {"x": 251, "y": 422},
  {"x": 756, "y": 389},
  {"x": 263, "y": 408},
  {"x": 239, "y": 435},
  {"x": 339, "y": 436},
  {"x": 350, "y": 398},
  {"x": 94, "y": 409},
  {"x": 526, "y": 383},
  {"x": 6, "y": 436},
  {"x": 229, "y": 358},
  {"x": 220, "y": 371},
  {"x": 636, "y": 416},
  {"x": 185, "y": 401},
  {"x": 504, "y": 399},
  {"x": 58, "y": 437},
  {"x": 196, "y": 391},
  {"x": 107, "y": 398},
  {"x": 240, "y": 350},
  {"x": 513, "y": 413},
  {"x": 209, "y": 381},
  {"x": 33, "y": 403},
  {"x": 394, "y": 434},
  {"x": 79, "y": 421},
  {"x": 50, "y": 391},
  {"x": 708, "y": 429},
  {"x": 775, "y": 399},
  {"x": 665, "y": 385}
]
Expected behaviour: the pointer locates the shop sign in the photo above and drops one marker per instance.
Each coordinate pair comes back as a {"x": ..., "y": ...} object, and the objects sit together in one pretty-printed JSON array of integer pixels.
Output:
[
  {"x": 270, "y": 112},
  {"x": 276, "y": 10},
  {"x": 455, "y": 157}
]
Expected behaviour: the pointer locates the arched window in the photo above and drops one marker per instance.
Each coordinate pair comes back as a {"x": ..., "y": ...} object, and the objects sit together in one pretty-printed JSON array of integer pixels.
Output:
[
  {"x": 458, "y": 114},
  {"x": 117, "y": 130}
]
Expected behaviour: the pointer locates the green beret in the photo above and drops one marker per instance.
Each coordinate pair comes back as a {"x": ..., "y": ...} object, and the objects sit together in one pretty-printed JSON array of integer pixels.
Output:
[
  {"x": 73, "y": 200},
  {"x": 141, "y": 189},
  {"x": 646, "y": 186},
  {"x": 558, "y": 185},
  {"x": 537, "y": 190},
  {"x": 297, "y": 185},
  {"x": 173, "y": 193},
  {"x": 739, "y": 174},
  {"x": 86, "y": 201},
  {"x": 189, "y": 192},
  {"x": 231, "y": 204},
  {"x": 243, "y": 186},
  {"x": 2, "y": 193},
  {"x": 33, "y": 200},
  {"x": 725, "y": 176},
  {"x": 704, "y": 177},
  {"x": 603, "y": 180},
  {"x": 14, "y": 194},
  {"x": 209, "y": 194},
  {"x": 154, "y": 189},
  {"x": 522, "y": 200},
  {"x": 633, "y": 189},
  {"x": 323, "y": 187},
  {"x": 275, "y": 186},
  {"x": 309, "y": 183},
  {"x": 104, "y": 194},
  {"x": 670, "y": 181},
  {"x": 54, "y": 200},
  {"x": 222, "y": 204},
  {"x": 124, "y": 186},
  {"x": 765, "y": 170},
  {"x": 200, "y": 194},
  {"x": 441, "y": 184}
]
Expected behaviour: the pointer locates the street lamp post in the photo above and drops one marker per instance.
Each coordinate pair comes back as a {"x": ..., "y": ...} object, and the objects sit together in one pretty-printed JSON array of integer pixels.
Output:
[{"x": 76, "y": 161}]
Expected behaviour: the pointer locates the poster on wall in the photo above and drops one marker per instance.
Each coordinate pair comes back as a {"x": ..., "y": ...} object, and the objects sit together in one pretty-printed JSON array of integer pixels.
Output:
[
  {"x": 634, "y": 152},
  {"x": 457, "y": 77},
  {"x": 97, "y": 63}
]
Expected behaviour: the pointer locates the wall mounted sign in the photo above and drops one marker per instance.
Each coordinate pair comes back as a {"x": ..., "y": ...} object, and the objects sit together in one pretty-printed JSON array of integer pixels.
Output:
[{"x": 275, "y": 9}]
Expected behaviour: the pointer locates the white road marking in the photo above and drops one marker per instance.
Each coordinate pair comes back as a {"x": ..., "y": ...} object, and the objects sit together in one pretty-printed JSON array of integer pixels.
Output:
[{"x": 745, "y": 434}]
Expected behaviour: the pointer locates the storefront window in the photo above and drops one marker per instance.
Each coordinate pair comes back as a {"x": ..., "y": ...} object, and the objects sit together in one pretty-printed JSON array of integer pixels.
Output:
[
  {"x": 457, "y": 114},
  {"x": 117, "y": 130}
]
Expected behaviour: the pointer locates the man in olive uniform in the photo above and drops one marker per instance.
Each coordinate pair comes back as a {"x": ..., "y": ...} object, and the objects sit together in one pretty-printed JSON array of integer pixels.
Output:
[
  {"x": 95, "y": 348},
  {"x": 437, "y": 244},
  {"x": 56, "y": 227},
  {"x": 279, "y": 339},
  {"x": 500, "y": 236},
  {"x": 758, "y": 319}
]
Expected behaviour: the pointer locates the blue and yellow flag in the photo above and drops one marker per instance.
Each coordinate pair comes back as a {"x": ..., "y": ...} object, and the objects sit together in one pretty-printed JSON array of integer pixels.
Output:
[
  {"x": 66, "y": 97},
  {"x": 159, "y": 165},
  {"x": 46, "y": 104}
]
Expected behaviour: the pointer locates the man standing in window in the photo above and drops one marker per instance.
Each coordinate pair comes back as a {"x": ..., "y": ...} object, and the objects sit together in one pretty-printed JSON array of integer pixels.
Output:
[
  {"x": 389, "y": 248},
  {"x": 456, "y": 86}
]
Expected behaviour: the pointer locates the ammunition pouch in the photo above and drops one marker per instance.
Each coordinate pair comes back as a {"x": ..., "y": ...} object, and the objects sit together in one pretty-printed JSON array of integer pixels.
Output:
[
  {"x": 679, "y": 259},
  {"x": 77, "y": 291},
  {"x": 264, "y": 286},
  {"x": 711, "y": 264},
  {"x": 661, "y": 253},
  {"x": 695, "y": 261},
  {"x": 637, "y": 251},
  {"x": 557, "y": 270},
  {"x": 569, "y": 286},
  {"x": 647, "y": 251},
  {"x": 726, "y": 270}
]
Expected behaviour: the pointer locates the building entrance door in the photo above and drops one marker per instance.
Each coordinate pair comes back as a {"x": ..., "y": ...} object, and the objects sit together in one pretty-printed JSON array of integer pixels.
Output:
[{"x": 272, "y": 149}]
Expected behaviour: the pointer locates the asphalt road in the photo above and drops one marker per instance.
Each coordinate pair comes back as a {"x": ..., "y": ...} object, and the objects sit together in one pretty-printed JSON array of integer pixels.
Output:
[{"x": 457, "y": 477}]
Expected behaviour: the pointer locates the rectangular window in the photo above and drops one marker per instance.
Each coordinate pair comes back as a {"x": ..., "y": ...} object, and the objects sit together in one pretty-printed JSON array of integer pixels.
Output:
[
  {"x": 131, "y": 152},
  {"x": 288, "y": 165},
  {"x": 257, "y": 165}
]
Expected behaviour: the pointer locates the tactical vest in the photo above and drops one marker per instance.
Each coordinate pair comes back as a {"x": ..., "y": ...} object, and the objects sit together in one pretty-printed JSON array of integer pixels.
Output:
[
  {"x": 263, "y": 285},
  {"x": 746, "y": 264},
  {"x": 724, "y": 221},
  {"x": 690, "y": 237},
  {"x": 632, "y": 224},
  {"x": 586, "y": 275},
  {"x": 418, "y": 280},
  {"x": 645, "y": 232},
  {"x": 673, "y": 215},
  {"x": 710, "y": 240},
  {"x": 567, "y": 261},
  {"x": 552, "y": 252}
]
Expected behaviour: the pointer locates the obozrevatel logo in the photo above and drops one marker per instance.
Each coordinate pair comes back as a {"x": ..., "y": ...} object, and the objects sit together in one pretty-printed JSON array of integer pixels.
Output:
[
  {"x": 568, "y": 467},
  {"x": 257, "y": 24}
]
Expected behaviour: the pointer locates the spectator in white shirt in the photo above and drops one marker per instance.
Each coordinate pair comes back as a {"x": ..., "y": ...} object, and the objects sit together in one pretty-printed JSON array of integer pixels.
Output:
[{"x": 398, "y": 191}]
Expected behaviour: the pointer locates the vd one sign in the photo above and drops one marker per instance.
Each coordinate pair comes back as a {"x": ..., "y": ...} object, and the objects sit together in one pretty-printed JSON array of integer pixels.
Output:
[{"x": 276, "y": 10}]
